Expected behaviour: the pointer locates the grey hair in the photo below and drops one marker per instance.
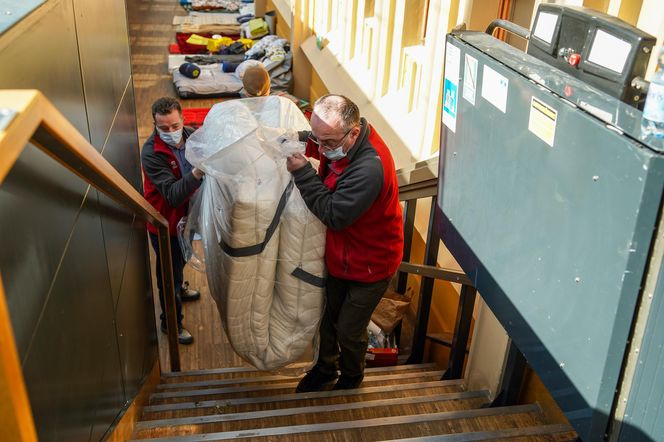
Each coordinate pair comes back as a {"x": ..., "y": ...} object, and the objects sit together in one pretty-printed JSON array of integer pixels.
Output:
[{"x": 332, "y": 105}]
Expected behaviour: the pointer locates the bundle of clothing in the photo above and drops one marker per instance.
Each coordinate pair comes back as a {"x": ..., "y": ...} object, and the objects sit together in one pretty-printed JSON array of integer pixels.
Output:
[{"x": 264, "y": 250}]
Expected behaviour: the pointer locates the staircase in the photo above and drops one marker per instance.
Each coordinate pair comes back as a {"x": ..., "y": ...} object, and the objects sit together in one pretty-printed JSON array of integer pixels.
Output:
[{"x": 402, "y": 402}]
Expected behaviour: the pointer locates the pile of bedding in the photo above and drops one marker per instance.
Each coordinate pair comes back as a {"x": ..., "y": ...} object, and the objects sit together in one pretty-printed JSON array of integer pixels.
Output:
[
  {"x": 216, "y": 5},
  {"x": 213, "y": 82},
  {"x": 209, "y": 23},
  {"x": 263, "y": 248}
]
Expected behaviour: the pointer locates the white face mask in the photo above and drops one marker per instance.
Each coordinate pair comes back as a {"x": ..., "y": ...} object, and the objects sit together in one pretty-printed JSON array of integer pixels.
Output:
[
  {"x": 335, "y": 154},
  {"x": 170, "y": 138}
]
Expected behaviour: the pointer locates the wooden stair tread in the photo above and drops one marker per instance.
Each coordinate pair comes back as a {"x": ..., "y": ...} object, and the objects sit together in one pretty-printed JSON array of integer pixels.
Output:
[
  {"x": 323, "y": 413},
  {"x": 505, "y": 433},
  {"x": 362, "y": 424},
  {"x": 456, "y": 384},
  {"x": 237, "y": 405},
  {"x": 409, "y": 371},
  {"x": 262, "y": 388}
]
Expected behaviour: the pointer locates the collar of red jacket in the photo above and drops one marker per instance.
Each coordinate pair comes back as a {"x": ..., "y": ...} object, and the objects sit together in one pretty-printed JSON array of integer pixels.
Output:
[
  {"x": 161, "y": 146},
  {"x": 361, "y": 139}
]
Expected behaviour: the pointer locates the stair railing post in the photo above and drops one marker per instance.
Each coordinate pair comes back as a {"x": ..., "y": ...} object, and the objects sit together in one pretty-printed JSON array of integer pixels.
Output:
[
  {"x": 461, "y": 335},
  {"x": 426, "y": 290},
  {"x": 408, "y": 227},
  {"x": 168, "y": 287}
]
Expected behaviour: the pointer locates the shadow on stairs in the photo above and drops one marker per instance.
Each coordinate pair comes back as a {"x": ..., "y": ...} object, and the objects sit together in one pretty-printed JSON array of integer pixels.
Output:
[{"x": 406, "y": 402}]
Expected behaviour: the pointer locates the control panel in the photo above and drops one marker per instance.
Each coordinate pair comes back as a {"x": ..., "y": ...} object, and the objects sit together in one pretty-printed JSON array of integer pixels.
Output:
[{"x": 597, "y": 48}]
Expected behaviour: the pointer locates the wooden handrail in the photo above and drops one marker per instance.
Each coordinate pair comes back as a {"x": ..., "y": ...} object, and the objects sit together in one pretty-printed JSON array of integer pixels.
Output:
[
  {"x": 15, "y": 413},
  {"x": 33, "y": 118}
]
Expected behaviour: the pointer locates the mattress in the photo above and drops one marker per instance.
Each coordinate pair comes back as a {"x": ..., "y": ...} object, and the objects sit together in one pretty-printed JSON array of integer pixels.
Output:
[
  {"x": 264, "y": 250},
  {"x": 216, "y": 5},
  {"x": 212, "y": 82}
]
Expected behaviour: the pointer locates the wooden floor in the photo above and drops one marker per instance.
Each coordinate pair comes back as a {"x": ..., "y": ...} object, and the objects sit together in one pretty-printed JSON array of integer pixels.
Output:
[{"x": 151, "y": 31}]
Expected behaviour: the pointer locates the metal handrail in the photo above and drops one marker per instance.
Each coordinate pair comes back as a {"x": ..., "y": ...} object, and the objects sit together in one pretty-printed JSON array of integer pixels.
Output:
[
  {"x": 508, "y": 26},
  {"x": 28, "y": 116}
]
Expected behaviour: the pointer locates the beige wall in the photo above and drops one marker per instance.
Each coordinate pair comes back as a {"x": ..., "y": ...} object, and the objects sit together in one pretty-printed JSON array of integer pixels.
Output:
[{"x": 382, "y": 55}]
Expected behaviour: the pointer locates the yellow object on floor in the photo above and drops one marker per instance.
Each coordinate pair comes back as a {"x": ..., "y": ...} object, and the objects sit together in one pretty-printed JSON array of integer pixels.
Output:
[
  {"x": 258, "y": 27},
  {"x": 212, "y": 44}
]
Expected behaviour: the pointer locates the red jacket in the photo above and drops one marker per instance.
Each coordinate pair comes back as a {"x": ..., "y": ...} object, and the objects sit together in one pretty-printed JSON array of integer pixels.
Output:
[
  {"x": 357, "y": 198},
  {"x": 164, "y": 186}
]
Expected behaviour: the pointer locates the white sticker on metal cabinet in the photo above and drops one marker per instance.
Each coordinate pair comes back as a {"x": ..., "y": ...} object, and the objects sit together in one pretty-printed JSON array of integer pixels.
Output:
[
  {"x": 451, "y": 85},
  {"x": 494, "y": 88},
  {"x": 542, "y": 121},
  {"x": 470, "y": 79}
]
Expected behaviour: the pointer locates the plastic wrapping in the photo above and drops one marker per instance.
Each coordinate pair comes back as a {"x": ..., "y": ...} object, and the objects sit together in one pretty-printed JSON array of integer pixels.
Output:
[{"x": 263, "y": 248}]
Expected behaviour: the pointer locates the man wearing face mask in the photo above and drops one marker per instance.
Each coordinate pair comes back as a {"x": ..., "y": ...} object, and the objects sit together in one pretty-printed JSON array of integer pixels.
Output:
[
  {"x": 356, "y": 195},
  {"x": 169, "y": 181}
]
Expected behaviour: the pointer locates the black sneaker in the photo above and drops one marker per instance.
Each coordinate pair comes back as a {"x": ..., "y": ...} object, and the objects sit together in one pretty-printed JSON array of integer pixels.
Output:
[
  {"x": 348, "y": 382},
  {"x": 184, "y": 337},
  {"x": 187, "y": 294},
  {"x": 315, "y": 380}
]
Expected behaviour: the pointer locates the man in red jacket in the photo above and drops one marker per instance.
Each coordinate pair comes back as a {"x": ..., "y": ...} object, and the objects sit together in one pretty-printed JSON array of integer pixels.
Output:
[
  {"x": 169, "y": 181},
  {"x": 355, "y": 194}
]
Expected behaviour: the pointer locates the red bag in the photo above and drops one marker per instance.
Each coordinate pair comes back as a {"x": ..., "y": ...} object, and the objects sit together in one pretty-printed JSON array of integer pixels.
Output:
[{"x": 381, "y": 357}]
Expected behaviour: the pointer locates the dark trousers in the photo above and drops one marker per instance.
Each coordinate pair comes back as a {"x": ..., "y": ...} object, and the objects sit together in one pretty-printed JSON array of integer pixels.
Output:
[
  {"x": 343, "y": 329},
  {"x": 178, "y": 263}
]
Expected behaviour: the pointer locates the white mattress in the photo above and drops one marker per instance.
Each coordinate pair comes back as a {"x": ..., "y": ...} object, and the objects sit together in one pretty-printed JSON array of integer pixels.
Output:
[
  {"x": 211, "y": 81},
  {"x": 270, "y": 316}
]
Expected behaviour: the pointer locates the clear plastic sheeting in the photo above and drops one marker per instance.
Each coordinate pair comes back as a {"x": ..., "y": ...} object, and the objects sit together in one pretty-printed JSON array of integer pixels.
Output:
[{"x": 263, "y": 248}]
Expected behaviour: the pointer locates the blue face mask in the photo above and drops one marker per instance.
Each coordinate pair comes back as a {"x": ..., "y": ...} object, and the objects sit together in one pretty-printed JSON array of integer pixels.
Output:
[
  {"x": 170, "y": 138},
  {"x": 335, "y": 154}
]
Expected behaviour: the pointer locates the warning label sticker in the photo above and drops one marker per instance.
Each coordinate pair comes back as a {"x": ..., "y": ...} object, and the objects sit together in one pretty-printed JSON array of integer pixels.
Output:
[
  {"x": 494, "y": 88},
  {"x": 542, "y": 121},
  {"x": 470, "y": 79}
]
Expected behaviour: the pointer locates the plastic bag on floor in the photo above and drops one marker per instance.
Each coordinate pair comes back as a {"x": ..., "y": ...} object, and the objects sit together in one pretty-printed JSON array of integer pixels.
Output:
[{"x": 263, "y": 248}]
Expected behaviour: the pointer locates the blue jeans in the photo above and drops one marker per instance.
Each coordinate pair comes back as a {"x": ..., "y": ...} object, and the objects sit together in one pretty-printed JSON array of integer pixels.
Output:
[{"x": 178, "y": 263}]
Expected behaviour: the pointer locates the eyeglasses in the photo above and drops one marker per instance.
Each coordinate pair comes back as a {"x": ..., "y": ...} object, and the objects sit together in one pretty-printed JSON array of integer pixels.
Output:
[{"x": 329, "y": 144}]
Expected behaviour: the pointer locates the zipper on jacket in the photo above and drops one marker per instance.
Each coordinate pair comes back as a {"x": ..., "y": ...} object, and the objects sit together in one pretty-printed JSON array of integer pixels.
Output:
[{"x": 345, "y": 258}]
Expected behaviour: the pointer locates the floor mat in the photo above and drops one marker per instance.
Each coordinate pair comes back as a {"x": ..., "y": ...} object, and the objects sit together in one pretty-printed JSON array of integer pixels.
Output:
[{"x": 194, "y": 116}]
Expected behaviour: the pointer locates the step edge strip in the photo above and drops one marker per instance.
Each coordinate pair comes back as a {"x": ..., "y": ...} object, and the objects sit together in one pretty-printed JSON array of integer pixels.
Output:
[
  {"x": 175, "y": 385},
  {"x": 176, "y": 374},
  {"x": 299, "y": 396},
  {"x": 208, "y": 419}
]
